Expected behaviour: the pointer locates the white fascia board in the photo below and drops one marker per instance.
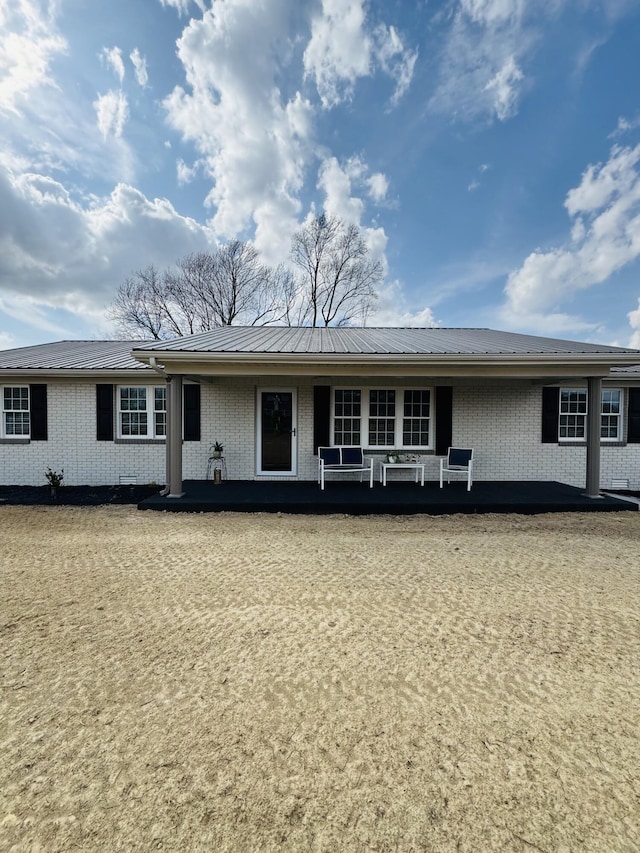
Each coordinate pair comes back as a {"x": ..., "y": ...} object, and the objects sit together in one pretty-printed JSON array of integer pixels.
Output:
[{"x": 449, "y": 364}]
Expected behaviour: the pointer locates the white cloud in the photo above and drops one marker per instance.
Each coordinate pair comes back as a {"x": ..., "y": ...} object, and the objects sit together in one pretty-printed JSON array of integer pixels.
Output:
[
  {"x": 481, "y": 70},
  {"x": 396, "y": 61},
  {"x": 255, "y": 143},
  {"x": 378, "y": 187},
  {"x": 139, "y": 67},
  {"x": 343, "y": 48},
  {"x": 185, "y": 173},
  {"x": 391, "y": 310},
  {"x": 486, "y": 12},
  {"x": 625, "y": 125},
  {"x": 7, "y": 341},
  {"x": 339, "y": 50},
  {"x": 336, "y": 182},
  {"x": 606, "y": 238},
  {"x": 634, "y": 322},
  {"x": 182, "y": 6},
  {"x": 71, "y": 253},
  {"x": 112, "y": 56},
  {"x": 503, "y": 89},
  {"x": 29, "y": 42},
  {"x": 112, "y": 111}
]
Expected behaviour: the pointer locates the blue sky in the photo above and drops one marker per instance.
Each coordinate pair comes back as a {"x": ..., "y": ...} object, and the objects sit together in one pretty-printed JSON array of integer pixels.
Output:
[{"x": 488, "y": 149}]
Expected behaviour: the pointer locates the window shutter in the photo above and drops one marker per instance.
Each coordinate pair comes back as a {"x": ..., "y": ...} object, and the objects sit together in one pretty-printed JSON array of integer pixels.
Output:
[
  {"x": 444, "y": 419},
  {"x": 550, "y": 414},
  {"x": 191, "y": 417},
  {"x": 38, "y": 403},
  {"x": 104, "y": 412},
  {"x": 633, "y": 416},
  {"x": 321, "y": 417}
]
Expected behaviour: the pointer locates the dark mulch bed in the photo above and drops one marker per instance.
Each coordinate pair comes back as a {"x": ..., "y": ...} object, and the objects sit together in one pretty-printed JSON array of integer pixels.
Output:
[{"x": 76, "y": 495}]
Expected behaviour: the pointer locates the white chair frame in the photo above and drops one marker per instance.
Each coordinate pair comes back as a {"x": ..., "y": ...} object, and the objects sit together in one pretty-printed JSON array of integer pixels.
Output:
[{"x": 449, "y": 465}]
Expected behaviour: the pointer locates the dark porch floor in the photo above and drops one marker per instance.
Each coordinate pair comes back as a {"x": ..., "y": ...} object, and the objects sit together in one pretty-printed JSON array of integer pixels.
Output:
[{"x": 405, "y": 498}]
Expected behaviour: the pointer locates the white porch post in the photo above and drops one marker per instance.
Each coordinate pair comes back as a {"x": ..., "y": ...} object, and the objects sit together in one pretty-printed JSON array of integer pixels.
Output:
[
  {"x": 594, "y": 393},
  {"x": 174, "y": 437}
]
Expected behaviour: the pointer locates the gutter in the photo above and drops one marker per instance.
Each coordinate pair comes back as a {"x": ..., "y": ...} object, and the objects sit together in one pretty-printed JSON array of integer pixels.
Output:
[{"x": 153, "y": 364}]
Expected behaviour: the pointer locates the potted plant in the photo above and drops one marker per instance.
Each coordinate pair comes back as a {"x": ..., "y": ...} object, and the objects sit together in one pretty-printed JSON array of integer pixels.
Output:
[
  {"x": 393, "y": 456},
  {"x": 54, "y": 478},
  {"x": 218, "y": 450}
]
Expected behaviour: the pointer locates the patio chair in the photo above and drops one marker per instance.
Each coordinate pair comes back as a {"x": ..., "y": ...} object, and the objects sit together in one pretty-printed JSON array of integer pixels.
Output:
[
  {"x": 344, "y": 460},
  {"x": 459, "y": 461}
]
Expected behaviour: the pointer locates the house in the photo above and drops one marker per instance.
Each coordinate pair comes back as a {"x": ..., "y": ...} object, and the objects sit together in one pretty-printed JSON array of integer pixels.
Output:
[{"x": 148, "y": 411}]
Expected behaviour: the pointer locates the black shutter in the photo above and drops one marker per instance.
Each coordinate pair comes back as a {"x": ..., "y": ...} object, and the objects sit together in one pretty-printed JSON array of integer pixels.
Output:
[
  {"x": 191, "y": 427},
  {"x": 321, "y": 417},
  {"x": 104, "y": 412},
  {"x": 38, "y": 395},
  {"x": 550, "y": 414},
  {"x": 633, "y": 412},
  {"x": 444, "y": 419}
]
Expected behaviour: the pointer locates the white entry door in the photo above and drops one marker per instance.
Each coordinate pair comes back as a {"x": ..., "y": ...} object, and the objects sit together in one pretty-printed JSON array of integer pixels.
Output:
[{"x": 276, "y": 434}]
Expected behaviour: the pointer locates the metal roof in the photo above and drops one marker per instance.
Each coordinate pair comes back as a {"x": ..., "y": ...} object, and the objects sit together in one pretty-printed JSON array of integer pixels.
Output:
[
  {"x": 73, "y": 355},
  {"x": 374, "y": 341},
  {"x": 630, "y": 371}
]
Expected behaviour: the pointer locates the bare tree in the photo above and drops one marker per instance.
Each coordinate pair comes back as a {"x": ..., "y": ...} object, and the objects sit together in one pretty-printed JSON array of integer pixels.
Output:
[
  {"x": 336, "y": 284},
  {"x": 337, "y": 278},
  {"x": 139, "y": 305},
  {"x": 202, "y": 291}
]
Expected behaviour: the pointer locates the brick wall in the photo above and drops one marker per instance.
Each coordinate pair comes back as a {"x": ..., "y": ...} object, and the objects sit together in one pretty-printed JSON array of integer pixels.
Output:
[{"x": 499, "y": 419}]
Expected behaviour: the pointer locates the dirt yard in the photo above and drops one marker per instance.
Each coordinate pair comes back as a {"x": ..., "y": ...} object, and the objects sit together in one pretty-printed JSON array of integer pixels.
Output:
[{"x": 296, "y": 683}]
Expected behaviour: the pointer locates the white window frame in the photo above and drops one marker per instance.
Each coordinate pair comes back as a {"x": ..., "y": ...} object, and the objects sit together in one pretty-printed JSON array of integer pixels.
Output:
[
  {"x": 4, "y": 433},
  {"x": 617, "y": 416},
  {"x": 152, "y": 432},
  {"x": 398, "y": 417}
]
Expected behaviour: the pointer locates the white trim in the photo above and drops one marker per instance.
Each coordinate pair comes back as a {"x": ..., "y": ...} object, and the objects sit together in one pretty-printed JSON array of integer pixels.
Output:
[
  {"x": 584, "y": 415},
  {"x": 294, "y": 431},
  {"x": 398, "y": 418},
  {"x": 149, "y": 410},
  {"x": 4, "y": 435}
]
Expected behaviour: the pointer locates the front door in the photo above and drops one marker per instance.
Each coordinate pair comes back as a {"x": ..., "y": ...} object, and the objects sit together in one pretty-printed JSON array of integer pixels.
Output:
[{"x": 276, "y": 443}]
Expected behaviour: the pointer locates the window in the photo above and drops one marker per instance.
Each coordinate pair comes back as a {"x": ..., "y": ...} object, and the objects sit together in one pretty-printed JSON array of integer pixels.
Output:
[
  {"x": 142, "y": 411},
  {"x": 346, "y": 424},
  {"x": 610, "y": 421},
  {"x": 382, "y": 418},
  {"x": 573, "y": 415},
  {"x": 16, "y": 417}
]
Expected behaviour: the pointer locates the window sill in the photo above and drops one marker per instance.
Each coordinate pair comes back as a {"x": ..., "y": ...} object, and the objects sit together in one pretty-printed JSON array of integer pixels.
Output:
[
  {"x": 584, "y": 443},
  {"x": 15, "y": 441},
  {"x": 139, "y": 441}
]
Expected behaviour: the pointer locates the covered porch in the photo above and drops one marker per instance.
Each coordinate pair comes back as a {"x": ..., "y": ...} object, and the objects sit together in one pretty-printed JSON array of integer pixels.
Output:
[{"x": 400, "y": 498}]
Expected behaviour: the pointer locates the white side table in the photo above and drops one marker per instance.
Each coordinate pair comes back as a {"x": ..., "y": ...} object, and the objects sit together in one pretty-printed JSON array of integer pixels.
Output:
[{"x": 417, "y": 466}]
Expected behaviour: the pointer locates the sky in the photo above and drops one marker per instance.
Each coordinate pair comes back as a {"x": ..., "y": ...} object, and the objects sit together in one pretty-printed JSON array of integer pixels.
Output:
[{"x": 489, "y": 151}]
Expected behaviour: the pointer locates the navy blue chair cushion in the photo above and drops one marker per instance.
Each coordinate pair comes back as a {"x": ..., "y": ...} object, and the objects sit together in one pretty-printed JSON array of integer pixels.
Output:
[
  {"x": 457, "y": 456},
  {"x": 329, "y": 455},
  {"x": 351, "y": 456}
]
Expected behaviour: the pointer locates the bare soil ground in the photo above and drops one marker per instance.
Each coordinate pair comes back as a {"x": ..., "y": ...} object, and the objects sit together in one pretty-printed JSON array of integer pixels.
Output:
[{"x": 295, "y": 683}]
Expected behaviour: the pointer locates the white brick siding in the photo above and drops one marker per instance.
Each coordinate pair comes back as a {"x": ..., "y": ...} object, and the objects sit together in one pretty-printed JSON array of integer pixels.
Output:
[{"x": 501, "y": 420}]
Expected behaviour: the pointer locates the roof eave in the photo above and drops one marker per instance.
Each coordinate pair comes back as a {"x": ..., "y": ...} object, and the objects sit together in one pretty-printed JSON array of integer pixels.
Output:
[{"x": 435, "y": 364}]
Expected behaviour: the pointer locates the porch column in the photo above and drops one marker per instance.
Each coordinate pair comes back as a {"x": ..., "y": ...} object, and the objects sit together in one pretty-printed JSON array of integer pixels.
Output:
[
  {"x": 594, "y": 393},
  {"x": 174, "y": 437},
  {"x": 167, "y": 442}
]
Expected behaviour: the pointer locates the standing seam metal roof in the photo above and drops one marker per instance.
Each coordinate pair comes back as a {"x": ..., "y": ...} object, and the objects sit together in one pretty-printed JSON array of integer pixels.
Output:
[
  {"x": 374, "y": 341},
  {"x": 73, "y": 355}
]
